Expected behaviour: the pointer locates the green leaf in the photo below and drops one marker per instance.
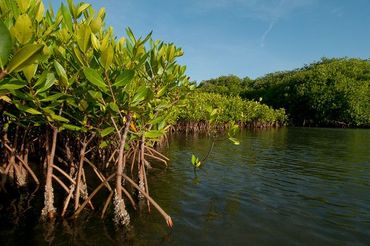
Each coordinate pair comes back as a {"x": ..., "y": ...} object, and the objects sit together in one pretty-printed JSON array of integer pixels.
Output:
[
  {"x": 54, "y": 97},
  {"x": 234, "y": 141},
  {"x": 30, "y": 71},
  {"x": 40, "y": 12},
  {"x": 83, "y": 35},
  {"x": 124, "y": 78},
  {"x": 107, "y": 131},
  {"x": 27, "y": 109},
  {"x": 82, "y": 8},
  {"x": 23, "y": 29},
  {"x": 131, "y": 35},
  {"x": 140, "y": 95},
  {"x": 193, "y": 159},
  {"x": 23, "y": 5},
  {"x": 107, "y": 57},
  {"x": 41, "y": 80},
  {"x": 71, "y": 127},
  {"x": 103, "y": 144},
  {"x": 153, "y": 134},
  {"x": 197, "y": 163},
  {"x": 162, "y": 91},
  {"x": 233, "y": 129},
  {"x": 96, "y": 95},
  {"x": 58, "y": 118},
  {"x": 114, "y": 107},
  {"x": 5, "y": 98},
  {"x": 83, "y": 105},
  {"x": 20, "y": 95},
  {"x": 12, "y": 84},
  {"x": 95, "y": 25},
  {"x": 5, "y": 44},
  {"x": 61, "y": 73},
  {"x": 67, "y": 18},
  {"x": 71, "y": 102},
  {"x": 157, "y": 120},
  {"x": 95, "y": 42},
  {"x": 78, "y": 55},
  {"x": 94, "y": 78},
  {"x": 72, "y": 8},
  {"x": 24, "y": 57},
  {"x": 49, "y": 82},
  {"x": 214, "y": 112}
]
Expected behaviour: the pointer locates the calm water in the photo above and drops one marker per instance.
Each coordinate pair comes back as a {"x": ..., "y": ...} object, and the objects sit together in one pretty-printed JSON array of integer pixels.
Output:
[{"x": 292, "y": 186}]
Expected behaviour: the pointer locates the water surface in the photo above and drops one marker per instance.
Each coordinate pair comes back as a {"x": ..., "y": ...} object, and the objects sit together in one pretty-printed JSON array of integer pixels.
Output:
[{"x": 289, "y": 186}]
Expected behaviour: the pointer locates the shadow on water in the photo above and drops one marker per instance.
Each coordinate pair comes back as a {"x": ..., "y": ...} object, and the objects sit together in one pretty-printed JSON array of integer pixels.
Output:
[{"x": 288, "y": 186}]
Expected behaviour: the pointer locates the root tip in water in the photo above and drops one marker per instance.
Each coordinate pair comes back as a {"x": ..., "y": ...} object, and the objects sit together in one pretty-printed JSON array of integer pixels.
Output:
[
  {"x": 121, "y": 216},
  {"x": 49, "y": 211}
]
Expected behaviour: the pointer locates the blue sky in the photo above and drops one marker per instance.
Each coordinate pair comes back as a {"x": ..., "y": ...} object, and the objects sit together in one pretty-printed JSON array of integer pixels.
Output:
[{"x": 247, "y": 37}]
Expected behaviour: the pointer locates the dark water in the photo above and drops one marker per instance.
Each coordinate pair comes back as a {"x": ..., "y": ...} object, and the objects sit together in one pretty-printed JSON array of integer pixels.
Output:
[{"x": 292, "y": 186}]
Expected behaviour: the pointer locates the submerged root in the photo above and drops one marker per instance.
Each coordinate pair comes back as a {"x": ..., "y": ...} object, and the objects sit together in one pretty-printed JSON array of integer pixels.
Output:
[
  {"x": 84, "y": 193},
  {"x": 22, "y": 177},
  {"x": 49, "y": 210},
  {"x": 121, "y": 216}
]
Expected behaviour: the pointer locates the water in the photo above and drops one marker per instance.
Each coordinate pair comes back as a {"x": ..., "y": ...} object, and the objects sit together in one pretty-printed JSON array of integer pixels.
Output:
[{"x": 290, "y": 186}]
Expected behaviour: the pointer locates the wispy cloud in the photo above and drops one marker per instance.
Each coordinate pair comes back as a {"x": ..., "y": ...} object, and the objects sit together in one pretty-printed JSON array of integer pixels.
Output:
[
  {"x": 338, "y": 11},
  {"x": 267, "y": 11}
]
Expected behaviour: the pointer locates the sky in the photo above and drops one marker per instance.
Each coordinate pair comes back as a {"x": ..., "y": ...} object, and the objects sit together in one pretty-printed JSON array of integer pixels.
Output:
[{"x": 248, "y": 38}]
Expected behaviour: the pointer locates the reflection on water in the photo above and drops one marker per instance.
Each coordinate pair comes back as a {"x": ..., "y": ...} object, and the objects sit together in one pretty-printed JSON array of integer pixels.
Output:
[{"x": 280, "y": 186}]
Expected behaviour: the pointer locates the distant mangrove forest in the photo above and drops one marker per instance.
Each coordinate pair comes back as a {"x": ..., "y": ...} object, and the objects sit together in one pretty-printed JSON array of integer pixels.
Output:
[{"x": 330, "y": 92}]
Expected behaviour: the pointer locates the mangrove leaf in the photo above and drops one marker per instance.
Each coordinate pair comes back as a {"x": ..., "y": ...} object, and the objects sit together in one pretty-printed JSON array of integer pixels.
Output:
[
  {"x": 5, "y": 44},
  {"x": 24, "y": 57}
]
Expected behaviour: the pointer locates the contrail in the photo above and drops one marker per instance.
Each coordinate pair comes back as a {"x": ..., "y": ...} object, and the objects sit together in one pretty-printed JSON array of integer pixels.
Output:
[
  {"x": 268, "y": 30},
  {"x": 273, "y": 21}
]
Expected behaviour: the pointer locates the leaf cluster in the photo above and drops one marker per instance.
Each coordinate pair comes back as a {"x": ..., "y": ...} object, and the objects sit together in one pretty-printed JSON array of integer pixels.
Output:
[{"x": 220, "y": 109}]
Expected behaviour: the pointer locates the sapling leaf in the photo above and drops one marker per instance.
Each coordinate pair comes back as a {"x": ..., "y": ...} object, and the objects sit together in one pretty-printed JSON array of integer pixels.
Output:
[
  {"x": 195, "y": 161},
  {"x": 234, "y": 141}
]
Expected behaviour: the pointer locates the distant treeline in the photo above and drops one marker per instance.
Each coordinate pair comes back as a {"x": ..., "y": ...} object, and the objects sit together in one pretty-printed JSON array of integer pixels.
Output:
[
  {"x": 331, "y": 92},
  {"x": 200, "y": 111}
]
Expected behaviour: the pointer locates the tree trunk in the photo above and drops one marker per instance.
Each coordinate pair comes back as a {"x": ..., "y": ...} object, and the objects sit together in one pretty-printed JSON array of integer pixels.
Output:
[
  {"x": 121, "y": 215},
  {"x": 79, "y": 174}
]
